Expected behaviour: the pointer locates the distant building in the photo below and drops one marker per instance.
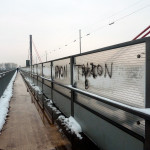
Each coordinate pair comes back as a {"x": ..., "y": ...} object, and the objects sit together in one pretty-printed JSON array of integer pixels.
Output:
[
  {"x": 7, "y": 66},
  {"x": 27, "y": 63}
]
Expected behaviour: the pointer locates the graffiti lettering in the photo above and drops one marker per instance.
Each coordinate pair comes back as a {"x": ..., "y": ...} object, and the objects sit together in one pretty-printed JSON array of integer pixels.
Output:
[
  {"x": 94, "y": 71},
  {"x": 88, "y": 70},
  {"x": 60, "y": 71},
  {"x": 107, "y": 71}
]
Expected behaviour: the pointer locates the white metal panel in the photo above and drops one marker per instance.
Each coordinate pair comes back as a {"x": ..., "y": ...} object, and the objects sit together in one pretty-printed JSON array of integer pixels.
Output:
[
  {"x": 118, "y": 74},
  {"x": 47, "y": 70},
  {"x": 61, "y": 71}
]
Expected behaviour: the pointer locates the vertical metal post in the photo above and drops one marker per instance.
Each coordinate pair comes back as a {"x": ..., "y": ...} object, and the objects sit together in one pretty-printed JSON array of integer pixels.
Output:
[
  {"x": 37, "y": 74},
  {"x": 37, "y": 78},
  {"x": 52, "y": 85},
  {"x": 72, "y": 92},
  {"x": 30, "y": 50},
  {"x": 33, "y": 73},
  {"x": 31, "y": 56},
  {"x": 42, "y": 78},
  {"x": 42, "y": 88},
  {"x": 80, "y": 40},
  {"x": 147, "y": 95}
]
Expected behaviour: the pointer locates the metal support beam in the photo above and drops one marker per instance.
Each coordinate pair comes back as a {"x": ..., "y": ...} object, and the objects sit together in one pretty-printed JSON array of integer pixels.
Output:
[
  {"x": 42, "y": 78},
  {"x": 30, "y": 50},
  {"x": 72, "y": 92},
  {"x": 52, "y": 86},
  {"x": 42, "y": 89}
]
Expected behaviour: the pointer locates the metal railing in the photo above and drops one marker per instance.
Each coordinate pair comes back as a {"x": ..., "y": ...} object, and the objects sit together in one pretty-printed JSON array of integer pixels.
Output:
[
  {"x": 109, "y": 85},
  {"x": 5, "y": 78}
]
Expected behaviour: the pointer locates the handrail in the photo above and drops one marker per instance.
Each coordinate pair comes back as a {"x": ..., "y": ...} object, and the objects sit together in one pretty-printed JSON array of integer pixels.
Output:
[
  {"x": 131, "y": 114},
  {"x": 136, "y": 111}
]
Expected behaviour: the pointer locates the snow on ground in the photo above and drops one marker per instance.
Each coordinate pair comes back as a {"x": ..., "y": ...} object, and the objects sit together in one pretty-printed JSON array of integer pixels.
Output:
[
  {"x": 72, "y": 125},
  {"x": 50, "y": 104},
  {"x": 4, "y": 101},
  {"x": 36, "y": 88},
  {"x": 69, "y": 123}
]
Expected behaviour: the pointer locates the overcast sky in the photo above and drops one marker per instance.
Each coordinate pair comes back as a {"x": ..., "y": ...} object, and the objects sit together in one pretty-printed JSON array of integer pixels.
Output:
[{"x": 56, "y": 23}]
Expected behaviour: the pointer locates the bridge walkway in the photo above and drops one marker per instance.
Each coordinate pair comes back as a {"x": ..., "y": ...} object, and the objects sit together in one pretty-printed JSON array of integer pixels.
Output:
[{"x": 26, "y": 127}]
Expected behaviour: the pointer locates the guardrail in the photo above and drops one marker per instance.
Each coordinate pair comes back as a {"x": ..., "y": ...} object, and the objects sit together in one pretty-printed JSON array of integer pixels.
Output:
[
  {"x": 5, "y": 78},
  {"x": 106, "y": 90}
]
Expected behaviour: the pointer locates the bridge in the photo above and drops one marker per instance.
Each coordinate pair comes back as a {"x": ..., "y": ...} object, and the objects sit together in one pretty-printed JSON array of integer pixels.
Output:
[{"x": 94, "y": 100}]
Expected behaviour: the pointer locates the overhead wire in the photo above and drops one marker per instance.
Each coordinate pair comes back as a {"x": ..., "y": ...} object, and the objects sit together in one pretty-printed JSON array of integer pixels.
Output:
[
  {"x": 132, "y": 13},
  {"x": 105, "y": 25},
  {"x": 116, "y": 13},
  {"x": 123, "y": 17},
  {"x": 113, "y": 22}
]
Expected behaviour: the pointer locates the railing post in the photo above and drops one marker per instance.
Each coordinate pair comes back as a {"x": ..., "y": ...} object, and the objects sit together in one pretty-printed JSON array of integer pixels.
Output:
[
  {"x": 72, "y": 83},
  {"x": 33, "y": 72},
  {"x": 52, "y": 85},
  {"x": 42, "y": 78},
  {"x": 30, "y": 55},
  {"x": 147, "y": 95},
  {"x": 42, "y": 88},
  {"x": 37, "y": 73},
  {"x": 30, "y": 50},
  {"x": 37, "y": 79}
]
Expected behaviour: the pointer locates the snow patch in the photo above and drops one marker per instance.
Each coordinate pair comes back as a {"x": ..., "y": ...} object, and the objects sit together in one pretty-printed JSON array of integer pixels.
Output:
[
  {"x": 72, "y": 125},
  {"x": 69, "y": 123},
  {"x": 46, "y": 78},
  {"x": 4, "y": 101},
  {"x": 50, "y": 104},
  {"x": 36, "y": 88}
]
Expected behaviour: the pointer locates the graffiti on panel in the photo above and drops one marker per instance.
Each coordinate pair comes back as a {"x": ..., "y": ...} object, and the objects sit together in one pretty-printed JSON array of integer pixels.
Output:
[
  {"x": 91, "y": 69},
  {"x": 61, "y": 71},
  {"x": 88, "y": 70}
]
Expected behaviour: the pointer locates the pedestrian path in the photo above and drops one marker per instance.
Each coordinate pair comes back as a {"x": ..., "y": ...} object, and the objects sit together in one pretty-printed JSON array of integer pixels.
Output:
[{"x": 25, "y": 129}]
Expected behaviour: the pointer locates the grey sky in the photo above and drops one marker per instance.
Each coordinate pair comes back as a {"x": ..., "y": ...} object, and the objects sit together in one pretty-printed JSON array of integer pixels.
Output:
[{"x": 55, "y": 23}]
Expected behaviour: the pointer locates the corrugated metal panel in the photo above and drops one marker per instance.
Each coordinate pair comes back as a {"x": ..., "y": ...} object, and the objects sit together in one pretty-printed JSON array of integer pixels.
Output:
[
  {"x": 61, "y": 71},
  {"x": 48, "y": 83},
  {"x": 47, "y": 70},
  {"x": 62, "y": 103},
  {"x": 105, "y": 135},
  {"x": 39, "y": 69},
  {"x": 35, "y": 69},
  {"x": 47, "y": 91},
  {"x": 118, "y": 74},
  {"x": 123, "y": 118},
  {"x": 62, "y": 90}
]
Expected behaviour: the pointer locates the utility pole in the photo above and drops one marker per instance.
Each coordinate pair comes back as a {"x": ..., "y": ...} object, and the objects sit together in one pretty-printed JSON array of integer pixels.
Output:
[
  {"x": 30, "y": 50},
  {"x": 80, "y": 40}
]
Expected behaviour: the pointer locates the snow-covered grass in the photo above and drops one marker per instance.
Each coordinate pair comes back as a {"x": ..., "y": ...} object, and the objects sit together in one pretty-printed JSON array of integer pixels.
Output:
[
  {"x": 4, "y": 101},
  {"x": 36, "y": 88},
  {"x": 72, "y": 125},
  {"x": 69, "y": 123},
  {"x": 50, "y": 104}
]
